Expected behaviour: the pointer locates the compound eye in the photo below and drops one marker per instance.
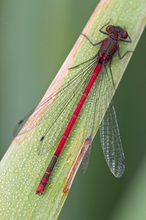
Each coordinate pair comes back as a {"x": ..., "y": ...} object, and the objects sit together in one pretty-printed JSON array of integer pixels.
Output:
[
  {"x": 109, "y": 28},
  {"x": 124, "y": 34}
]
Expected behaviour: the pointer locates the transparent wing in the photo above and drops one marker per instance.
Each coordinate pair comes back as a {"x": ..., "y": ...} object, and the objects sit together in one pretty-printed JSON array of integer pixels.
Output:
[
  {"x": 111, "y": 142},
  {"x": 98, "y": 101},
  {"x": 108, "y": 129},
  {"x": 52, "y": 125},
  {"x": 75, "y": 82}
]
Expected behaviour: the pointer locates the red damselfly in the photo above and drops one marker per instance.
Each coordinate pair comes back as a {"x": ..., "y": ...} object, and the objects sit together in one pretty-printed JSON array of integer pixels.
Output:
[{"x": 92, "y": 75}]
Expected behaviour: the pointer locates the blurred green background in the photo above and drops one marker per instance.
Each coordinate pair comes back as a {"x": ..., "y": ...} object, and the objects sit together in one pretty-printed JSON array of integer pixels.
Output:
[{"x": 36, "y": 36}]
